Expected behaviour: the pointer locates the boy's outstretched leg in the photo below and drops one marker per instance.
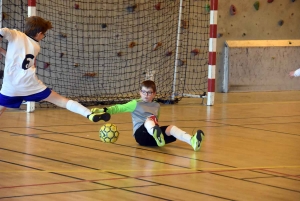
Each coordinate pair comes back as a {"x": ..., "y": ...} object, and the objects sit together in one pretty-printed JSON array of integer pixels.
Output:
[
  {"x": 75, "y": 107},
  {"x": 195, "y": 141}
]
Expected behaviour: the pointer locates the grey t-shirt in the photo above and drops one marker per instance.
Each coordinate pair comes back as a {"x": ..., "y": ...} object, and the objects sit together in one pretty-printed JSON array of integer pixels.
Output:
[{"x": 139, "y": 110}]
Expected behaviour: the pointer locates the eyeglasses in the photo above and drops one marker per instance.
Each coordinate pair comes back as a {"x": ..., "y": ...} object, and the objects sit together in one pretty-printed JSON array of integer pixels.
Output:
[{"x": 147, "y": 92}]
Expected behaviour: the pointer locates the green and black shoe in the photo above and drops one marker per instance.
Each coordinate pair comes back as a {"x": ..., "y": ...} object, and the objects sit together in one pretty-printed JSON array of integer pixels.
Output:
[
  {"x": 158, "y": 136},
  {"x": 99, "y": 117},
  {"x": 197, "y": 139}
]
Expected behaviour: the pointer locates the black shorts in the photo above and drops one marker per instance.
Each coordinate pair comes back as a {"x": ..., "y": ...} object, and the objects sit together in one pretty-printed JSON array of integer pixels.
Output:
[{"x": 145, "y": 139}]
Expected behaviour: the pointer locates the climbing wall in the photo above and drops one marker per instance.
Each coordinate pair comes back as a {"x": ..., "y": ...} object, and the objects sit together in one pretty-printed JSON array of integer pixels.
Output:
[
  {"x": 262, "y": 65},
  {"x": 277, "y": 20}
]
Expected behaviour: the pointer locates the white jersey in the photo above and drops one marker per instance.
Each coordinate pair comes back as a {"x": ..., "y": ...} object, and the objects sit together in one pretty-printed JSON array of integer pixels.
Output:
[
  {"x": 20, "y": 72},
  {"x": 297, "y": 73}
]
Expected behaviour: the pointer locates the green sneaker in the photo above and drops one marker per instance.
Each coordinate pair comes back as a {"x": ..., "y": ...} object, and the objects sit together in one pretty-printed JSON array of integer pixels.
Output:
[
  {"x": 197, "y": 139},
  {"x": 97, "y": 110},
  {"x": 98, "y": 117},
  {"x": 158, "y": 136}
]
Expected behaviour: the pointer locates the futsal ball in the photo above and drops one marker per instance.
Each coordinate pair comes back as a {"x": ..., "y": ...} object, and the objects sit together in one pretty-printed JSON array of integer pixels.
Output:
[{"x": 109, "y": 133}]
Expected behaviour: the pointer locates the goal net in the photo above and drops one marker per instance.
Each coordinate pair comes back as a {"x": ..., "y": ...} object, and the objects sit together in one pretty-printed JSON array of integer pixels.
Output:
[{"x": 99, "y": 51}]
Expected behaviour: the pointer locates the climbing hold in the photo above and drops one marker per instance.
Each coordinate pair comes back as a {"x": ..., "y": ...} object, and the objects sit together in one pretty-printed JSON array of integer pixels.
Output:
[
  {"x": 63, "y": 35},
  {"x": 157, "y": 45},
  {"x": 219, "y": 35},
  {"x": 4, "y": 16},
  {"x": 132, "y": 44},
  {"x": 290, "y": 42},
  {"x": 280, "y": 22},
  {"x": 180, "y": 62},
  {"x": 232, "y": 10},
  {"x": 195, "y": 52},
  {"x": 270, "y": 1},
  {"x": 46, "y": 65},
  {"x": 76, "y": 6},
  {"x": 103, "y": 25},
  {"x": 207, "y": 7},
  {"x": 184, "y": 24},
  {"x": 76, "y": 64},
  {"x": 244, "y": 34},
  {"x": 157, "y": 6},
  {"x": 256, "y": 5},
  {"x": 169, "y": 53},
  {"x": 293, "y": 0},
  {"x": 90, "y": 74},
  {"x": 119, "y": 54},
  {"x": 131, "y": 8},
  {"x": 61, "y": 55}
]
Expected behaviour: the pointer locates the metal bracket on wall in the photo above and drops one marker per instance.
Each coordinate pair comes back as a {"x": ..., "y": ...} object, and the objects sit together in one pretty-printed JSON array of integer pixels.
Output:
[{"x": 226, "y": 69}]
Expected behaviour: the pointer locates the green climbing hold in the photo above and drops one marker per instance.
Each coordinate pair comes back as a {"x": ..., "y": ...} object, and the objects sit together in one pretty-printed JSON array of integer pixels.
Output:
[
  {"x": 256, "y": 5},
  {"x": 207, "y": 8}
]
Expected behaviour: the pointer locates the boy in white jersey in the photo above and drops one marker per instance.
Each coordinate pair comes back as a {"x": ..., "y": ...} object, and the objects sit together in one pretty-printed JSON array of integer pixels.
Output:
[
  {"x": 145, "y": 113},
  {"x": 295, "y": 73},
  {"x": 20, "y": 81}
]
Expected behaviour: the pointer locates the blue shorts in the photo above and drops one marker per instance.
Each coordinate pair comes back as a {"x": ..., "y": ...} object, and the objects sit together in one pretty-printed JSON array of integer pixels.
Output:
[{"x": 16, "y": 101}]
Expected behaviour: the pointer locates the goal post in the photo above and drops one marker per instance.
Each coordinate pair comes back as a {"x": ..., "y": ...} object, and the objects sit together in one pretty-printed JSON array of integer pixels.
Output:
[
  {"x": 212, "y": 52},
  {"x": 100, "y": 50},
  {"x": 31, "y": 12},
  {"x": 210, "y": 95}
]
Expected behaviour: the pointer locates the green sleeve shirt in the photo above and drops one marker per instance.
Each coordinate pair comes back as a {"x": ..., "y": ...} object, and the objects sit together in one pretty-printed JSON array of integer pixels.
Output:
[{"x": 139, "y": 111}]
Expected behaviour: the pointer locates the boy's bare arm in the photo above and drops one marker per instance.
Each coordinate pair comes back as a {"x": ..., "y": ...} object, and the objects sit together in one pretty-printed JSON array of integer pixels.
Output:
[{"x": 2, "y": 51}]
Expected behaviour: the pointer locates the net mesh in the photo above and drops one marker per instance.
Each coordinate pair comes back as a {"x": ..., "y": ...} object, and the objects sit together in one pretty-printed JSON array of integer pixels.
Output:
[{"x": 99, "y": 51}]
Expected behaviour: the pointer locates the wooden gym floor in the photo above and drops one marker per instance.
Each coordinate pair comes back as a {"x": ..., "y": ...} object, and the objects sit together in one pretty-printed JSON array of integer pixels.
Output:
[{"x": 251, "y": 152}]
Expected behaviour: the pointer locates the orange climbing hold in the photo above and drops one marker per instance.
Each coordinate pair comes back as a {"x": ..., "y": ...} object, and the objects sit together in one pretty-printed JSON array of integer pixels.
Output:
[
  {"x": 93, "y": 74},
  {"x": 157, "y": 45},
  {"x": 195, "y": 52},
  {"x": 132, "y": 44},
  {"x": 184, "y": 24}
]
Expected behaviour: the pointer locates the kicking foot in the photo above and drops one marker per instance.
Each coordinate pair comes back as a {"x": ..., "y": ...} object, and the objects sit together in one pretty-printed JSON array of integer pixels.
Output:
[
  {"x": 197, "y": 139},
  {"x": 158, "y": 136},
  {"x": 98, "y": 117},
  {"x": 97, "y": 110}
]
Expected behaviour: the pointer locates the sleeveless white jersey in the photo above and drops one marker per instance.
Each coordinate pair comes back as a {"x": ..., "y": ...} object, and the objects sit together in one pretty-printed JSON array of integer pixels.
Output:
[
  {"x": 297, "y": 73},
  {"x": 20, "y": 72}
]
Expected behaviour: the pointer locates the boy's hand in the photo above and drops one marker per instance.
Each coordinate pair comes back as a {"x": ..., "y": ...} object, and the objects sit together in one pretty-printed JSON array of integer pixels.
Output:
[
  {"x": 292, "y": 73},
  {"x": 97, "y": 110}
]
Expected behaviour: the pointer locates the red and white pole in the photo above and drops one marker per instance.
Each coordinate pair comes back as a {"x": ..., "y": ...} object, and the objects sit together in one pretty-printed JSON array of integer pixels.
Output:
[
  {"x": 212, "y": 58},
  {"x": 31, "y": 12},
  {"x": 31, "y": 8}
]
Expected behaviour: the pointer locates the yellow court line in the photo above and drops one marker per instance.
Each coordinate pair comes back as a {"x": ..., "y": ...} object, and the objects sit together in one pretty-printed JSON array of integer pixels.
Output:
[{"x": 152, "y": 170}]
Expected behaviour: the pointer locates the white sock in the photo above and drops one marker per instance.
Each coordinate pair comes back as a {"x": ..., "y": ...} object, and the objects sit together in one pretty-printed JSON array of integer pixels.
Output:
[
  {"x": 76, "y": 107},
  {"x": 149, "y": 125},
  {"x": 181, "y": 135}
]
